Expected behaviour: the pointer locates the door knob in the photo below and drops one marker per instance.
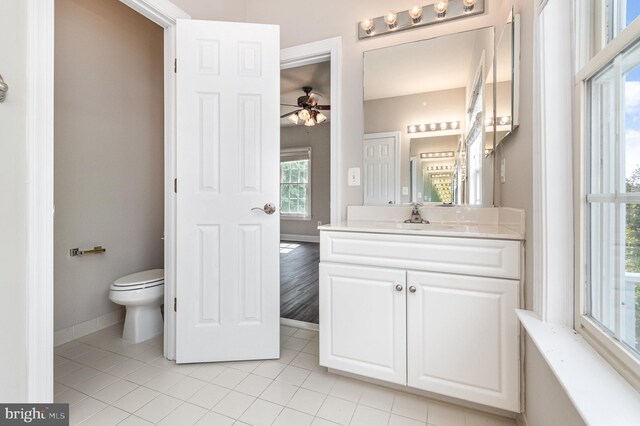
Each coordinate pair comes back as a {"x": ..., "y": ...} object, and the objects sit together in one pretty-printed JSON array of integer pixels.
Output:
[
  {"x": 399, "y": 287},
  {"x": 268, "y": 208},
  {"x": 412, "y": 289}
]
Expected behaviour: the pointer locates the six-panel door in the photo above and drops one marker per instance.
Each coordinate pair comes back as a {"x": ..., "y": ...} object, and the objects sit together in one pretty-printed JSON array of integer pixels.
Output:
[
  {"x": 363, "y": 318},
  {"x": 463, "y": 337}
]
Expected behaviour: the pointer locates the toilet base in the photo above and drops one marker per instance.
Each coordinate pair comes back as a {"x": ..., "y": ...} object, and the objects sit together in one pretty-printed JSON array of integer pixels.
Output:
[{"x": 142, "y": 323}]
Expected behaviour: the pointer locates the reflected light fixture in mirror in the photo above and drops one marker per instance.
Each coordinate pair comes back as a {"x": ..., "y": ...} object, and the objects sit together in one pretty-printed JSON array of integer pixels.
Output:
[
  {"x": 293, "y": 118},
  {"x": 445, "y": 125},
  {"x": 391, "y": 19},
  {"x": 304, "y": 115},
  {"x": 440, "y": 7},
  {"x": 320, "y": 118}
]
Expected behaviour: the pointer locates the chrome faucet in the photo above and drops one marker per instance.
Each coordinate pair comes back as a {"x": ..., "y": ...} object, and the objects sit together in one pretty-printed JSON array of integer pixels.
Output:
[{"x": 415, "y": 215}]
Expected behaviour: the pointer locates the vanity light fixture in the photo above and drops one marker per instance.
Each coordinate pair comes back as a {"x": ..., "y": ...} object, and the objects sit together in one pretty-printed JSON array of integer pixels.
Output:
[
  {"x": 367, "y": 26},
  {"x": 440, "y": 7},
  {"x": 437, "y": 155},
  {"x": 468, "y": 5},
  {"x": 505, "y": 120},
  {"x": 415, "y": 13},
  {"x": 436, "y": 12},
  {"x": 445, "y": 125},
  {"x": 391, "y": 19},
  {"x": 438, "y": 168}
]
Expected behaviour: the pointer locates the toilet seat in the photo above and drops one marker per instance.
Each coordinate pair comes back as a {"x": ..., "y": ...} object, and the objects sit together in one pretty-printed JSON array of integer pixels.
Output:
[{"x": 139, "y": 280}]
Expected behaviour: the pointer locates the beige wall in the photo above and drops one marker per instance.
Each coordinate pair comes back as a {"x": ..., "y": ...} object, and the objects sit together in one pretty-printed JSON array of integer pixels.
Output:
[
  {"x": 108, "y": 152},
  {"x": 13, "y": 191},
  {"x": 318, "y": 138}
]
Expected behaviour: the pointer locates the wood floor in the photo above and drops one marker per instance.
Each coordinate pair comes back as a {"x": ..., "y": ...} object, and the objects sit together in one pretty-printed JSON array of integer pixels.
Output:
[{"x": 299, "y": 281}]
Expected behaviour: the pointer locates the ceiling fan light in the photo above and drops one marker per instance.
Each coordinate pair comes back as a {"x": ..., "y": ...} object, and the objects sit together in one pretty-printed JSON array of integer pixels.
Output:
[
  {"x": 304, "y": 115},
  {"x": 321, "y": 118},
  {"x": 310, "y": 122},
  {"x": 293, "y": 118}
]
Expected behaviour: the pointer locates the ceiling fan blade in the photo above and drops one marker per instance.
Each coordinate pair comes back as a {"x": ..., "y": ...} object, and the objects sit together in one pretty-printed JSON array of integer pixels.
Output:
[
  {"x": 290, "y": 113},
  {"x": 323, "y": 107},
  {"x": 289, "y": 105}
]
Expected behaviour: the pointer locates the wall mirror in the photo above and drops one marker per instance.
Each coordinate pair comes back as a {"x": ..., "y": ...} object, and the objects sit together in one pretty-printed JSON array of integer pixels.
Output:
[
  {"x": 426, "y": 105},
  {"x": 507, "y": 79}
]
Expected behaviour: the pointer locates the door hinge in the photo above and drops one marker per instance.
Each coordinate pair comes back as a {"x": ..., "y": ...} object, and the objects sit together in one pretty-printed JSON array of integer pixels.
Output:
[
  {"x": 175, "y": 65},
  {"x": 175, "y": 185},
  {"x": 175, "y": 304}
]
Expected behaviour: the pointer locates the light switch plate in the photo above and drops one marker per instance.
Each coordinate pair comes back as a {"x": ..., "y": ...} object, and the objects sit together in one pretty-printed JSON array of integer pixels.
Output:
[
  {"x": 405, "y": 190},
  {"x": 354, "y": 176},
  {"x": 503, "y": 174}
]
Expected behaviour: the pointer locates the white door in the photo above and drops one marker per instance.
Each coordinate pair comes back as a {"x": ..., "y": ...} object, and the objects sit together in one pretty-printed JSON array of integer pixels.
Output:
[
  {"x": 462, "y": 338},
  {"x": 228, "y": 150},
  {"x": 362, "y": 312},
  {"x": 381, "y": 185}
]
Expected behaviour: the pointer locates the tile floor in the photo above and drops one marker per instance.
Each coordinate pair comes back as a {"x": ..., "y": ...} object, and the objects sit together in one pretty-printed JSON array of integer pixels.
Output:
[{"x": 108, "y": 381}]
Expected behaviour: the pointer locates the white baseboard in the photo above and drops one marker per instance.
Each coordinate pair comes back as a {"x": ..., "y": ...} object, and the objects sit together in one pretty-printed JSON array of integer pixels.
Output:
[
  {"x": 87, "y": 327},
  {"x": 302, "y": 238},
  {"x": 299, "y": 324}
]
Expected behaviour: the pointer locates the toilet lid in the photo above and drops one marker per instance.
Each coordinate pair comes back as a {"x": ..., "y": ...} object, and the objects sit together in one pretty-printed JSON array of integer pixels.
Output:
[{"x": 154, "y": 276}]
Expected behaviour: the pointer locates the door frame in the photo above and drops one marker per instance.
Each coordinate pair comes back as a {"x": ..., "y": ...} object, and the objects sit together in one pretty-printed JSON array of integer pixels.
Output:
[
  {"x": 312, "y": 53},
  {"x": 397, "y": 137},
  {"x": 40, "y": 187}
]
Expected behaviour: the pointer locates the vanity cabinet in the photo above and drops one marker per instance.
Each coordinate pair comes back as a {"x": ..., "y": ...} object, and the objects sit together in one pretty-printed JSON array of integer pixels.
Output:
[{"x": 413, "y": 310}]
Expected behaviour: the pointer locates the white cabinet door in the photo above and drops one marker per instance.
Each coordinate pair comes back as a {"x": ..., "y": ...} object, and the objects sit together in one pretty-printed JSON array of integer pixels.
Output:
[
  {"x": 228, "y": 159},
  {"x": 363, "y": 318},
  {"x": 463, "y": 338}
]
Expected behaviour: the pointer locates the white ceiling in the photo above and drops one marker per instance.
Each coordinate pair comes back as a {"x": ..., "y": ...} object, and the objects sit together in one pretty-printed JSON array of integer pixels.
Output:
[
  {"x": 425, "y": 66},
  {"x": 293, "y": 79}
]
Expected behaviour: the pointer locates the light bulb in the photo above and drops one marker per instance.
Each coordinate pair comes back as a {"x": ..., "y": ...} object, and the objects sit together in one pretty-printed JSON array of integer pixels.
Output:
[
  {"x": 423, "y": 127},
  {"x": 310, "y": 122},
  {"x": 468, "y": 5},
  {"x": 391, "y": 19},
  {"x": 321, "y": 118},
  {"x": 488, "y": 121},
  {"x": 293, "y": 118},
  {"x": 443, "y": 126},
  {"x": 304, "y": 115},
  {"x": 440, "y": 7},
  {"x": 454, "y": 124},
  {"x": 432, "y": 126},
  {"x": 416, "y": 14},
  {"x": 504, "y": 120},
  {"x": 367, "y": 26}
]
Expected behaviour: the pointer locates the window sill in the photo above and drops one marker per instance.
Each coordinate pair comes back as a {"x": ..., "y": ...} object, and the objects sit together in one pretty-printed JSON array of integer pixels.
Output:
[{"x": 600, "y": 395}]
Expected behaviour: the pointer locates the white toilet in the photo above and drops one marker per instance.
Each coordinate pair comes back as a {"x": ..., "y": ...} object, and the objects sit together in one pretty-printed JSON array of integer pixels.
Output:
[{"x": 142, "y": 294}]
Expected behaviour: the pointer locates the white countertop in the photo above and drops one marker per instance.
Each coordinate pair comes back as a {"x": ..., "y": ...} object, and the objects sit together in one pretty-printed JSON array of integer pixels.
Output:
[{"x": 460, "y": 230}]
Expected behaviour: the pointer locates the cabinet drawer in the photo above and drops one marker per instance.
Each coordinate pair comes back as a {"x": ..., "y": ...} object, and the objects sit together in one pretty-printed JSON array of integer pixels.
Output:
[{"x": 467, "y": 256}]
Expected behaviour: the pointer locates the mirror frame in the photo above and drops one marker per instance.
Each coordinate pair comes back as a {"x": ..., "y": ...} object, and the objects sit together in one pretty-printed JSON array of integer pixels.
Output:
[{"x": 514, "y": 19}]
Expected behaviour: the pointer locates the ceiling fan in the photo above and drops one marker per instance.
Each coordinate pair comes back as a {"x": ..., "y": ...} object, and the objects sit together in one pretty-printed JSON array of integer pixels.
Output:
[{"x": 309, "y": 110}]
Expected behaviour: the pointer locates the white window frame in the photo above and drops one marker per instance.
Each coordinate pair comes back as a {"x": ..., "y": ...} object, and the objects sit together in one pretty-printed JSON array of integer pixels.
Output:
[
  {"x": 297, "y": 152},
  {"x": 587, "y": 66}
]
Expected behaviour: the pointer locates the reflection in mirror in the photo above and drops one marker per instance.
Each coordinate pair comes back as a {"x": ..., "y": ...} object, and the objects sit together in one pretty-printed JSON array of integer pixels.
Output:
[
  {"x": 507, "y": 74},
  {"x": 433, "y": 95}
]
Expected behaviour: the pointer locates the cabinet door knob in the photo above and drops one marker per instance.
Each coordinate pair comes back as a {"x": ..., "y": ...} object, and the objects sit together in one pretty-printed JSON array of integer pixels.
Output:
[
  {"x": 412, "y": 289},
  {"x": 399, "y": 287}
]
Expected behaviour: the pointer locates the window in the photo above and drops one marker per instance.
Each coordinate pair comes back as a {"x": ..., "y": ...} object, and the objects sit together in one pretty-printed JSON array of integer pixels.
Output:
[
  {"x": 609, "y": 284},
  {"x": 295, "y": 183}
]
